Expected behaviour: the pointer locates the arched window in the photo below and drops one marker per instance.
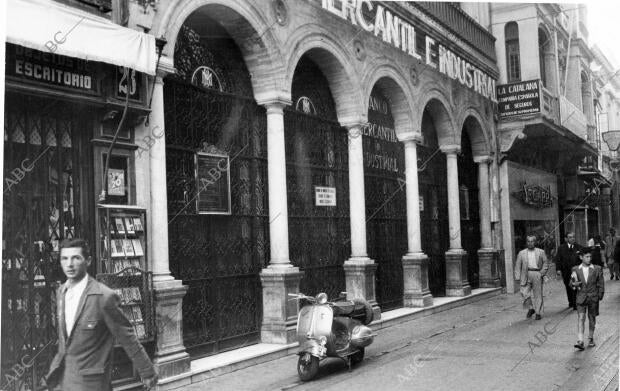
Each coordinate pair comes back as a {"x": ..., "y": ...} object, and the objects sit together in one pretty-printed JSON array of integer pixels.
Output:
[
  {"x": 513, "y": 63},
  {"x": 543, "y": 48}
]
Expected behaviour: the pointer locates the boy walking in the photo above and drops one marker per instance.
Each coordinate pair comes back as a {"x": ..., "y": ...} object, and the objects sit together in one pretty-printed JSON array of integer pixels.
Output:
[{"x": 587, "y": 280}]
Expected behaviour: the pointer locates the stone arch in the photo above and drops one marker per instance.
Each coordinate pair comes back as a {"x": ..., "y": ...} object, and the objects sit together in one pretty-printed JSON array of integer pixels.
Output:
[
  {"x": 248, "y": 25},
  {"x": 479, "y": 135},
  {"x": 397, "y": 90},
  {"x": 436, "y": 103},
  {"x": 330, "y": 56}
]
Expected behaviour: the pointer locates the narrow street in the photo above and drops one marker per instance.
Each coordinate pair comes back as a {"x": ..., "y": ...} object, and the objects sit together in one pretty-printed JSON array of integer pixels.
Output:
[{"x": 487, "y": 345}]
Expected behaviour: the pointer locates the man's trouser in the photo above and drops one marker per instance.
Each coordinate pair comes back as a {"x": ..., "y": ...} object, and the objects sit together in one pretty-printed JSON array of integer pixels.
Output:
[{"x": 570, "y": 292}]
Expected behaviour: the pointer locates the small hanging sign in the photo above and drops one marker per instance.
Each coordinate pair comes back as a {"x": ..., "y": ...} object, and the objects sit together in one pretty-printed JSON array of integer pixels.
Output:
[
  {"x": 325, "y": 196},
  {"x": 116, "y": 182}
]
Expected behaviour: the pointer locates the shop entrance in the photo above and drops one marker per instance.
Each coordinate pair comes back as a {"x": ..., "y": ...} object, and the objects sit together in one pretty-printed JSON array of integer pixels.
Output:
[
  {"x": 316, "y": 164},
  {"x": 218, "y": 216},
  {"x": 46, "y": 199},
  {"x": 433, "y": 205},
  {"x": 386, "y": 213},
  {"x": 470, "y": 216}
]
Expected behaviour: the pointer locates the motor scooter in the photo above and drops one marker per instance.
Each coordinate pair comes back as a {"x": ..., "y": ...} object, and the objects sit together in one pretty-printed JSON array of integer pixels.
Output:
[{"x": 331, "y": 329}]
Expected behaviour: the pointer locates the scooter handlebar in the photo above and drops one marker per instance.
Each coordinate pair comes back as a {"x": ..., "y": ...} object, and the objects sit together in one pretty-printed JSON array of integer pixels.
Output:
[{"x": 299, "y": 296}]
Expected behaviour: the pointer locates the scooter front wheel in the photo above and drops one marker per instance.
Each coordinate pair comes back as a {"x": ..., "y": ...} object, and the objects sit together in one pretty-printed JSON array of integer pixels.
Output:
[
  {"x": 357, "y": 357},
  {"x": 307, "y": 366}
]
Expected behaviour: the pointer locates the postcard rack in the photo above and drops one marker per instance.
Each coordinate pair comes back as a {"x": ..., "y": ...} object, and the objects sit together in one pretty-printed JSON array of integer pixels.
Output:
[{"x": 122, "y": 263}]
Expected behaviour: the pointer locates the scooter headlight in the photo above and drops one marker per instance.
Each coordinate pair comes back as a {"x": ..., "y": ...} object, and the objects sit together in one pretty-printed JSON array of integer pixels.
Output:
[{"x": 321, "y": 298}]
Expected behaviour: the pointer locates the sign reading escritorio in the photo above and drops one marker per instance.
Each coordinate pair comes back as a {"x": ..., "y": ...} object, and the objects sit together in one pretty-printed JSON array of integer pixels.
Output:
[
  {"x": 50, "y": 69},
  {"x": 402, "y": 35},
  {"x": 518, "y": 98}
]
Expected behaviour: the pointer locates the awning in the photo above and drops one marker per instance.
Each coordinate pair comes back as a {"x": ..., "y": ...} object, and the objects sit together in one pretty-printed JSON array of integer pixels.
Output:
[{"x": 51, "y": 27}]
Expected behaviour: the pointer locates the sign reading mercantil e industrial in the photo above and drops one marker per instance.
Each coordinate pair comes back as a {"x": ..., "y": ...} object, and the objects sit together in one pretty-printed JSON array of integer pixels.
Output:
[
  {"x": 518, "y": 98},
  {"x": 402, "y": 35}
]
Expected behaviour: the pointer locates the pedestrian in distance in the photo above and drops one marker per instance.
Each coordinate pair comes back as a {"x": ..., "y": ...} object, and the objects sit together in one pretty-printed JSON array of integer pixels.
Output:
[
  {"x": 610, "y": 244},
  {"x": 587, "y": 280},
  {"x": 531, "y": 269},
  {"x": 89, "y": 322},
  {"x": 565, "y": 259},
  {"x": 614, "y": 269},
  {"x": 597, "y": 246}
]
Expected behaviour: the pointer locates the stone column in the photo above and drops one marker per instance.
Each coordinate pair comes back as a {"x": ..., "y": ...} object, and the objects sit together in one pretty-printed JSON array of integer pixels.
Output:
[
  {"x": 487, "y": 256},
  {"x": 415, "y": 262},
  {"x": 456, "y": 257},
  {"x": 170, "y": 358},
  {"x": 359, "y": 269},
  {"x": 280, "y": 278}
]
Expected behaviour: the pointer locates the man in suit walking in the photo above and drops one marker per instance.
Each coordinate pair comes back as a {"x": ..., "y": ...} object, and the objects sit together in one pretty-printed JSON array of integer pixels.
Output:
[
  {"x": 588, "y": 281},
  {"x": 565, "y": 259},
  {"x": 89, "y": 321},
  {"x": 530, "y": 269}
]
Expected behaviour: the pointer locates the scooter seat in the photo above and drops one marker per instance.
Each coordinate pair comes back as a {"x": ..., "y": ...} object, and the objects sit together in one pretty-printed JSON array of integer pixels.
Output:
[{"x": 356, "y": 309}]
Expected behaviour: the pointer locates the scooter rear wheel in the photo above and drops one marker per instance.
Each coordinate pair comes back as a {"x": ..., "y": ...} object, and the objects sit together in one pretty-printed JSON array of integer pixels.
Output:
[{"x": 307, "y": 366}]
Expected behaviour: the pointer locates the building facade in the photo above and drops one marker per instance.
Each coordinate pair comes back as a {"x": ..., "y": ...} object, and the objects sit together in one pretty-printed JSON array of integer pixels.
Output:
[
  {"x": 343, "y": 141},
  {"x": 277, "y": 147},
  {"x": 607, "y": 110},
  {"x": 547, "y": 127}
]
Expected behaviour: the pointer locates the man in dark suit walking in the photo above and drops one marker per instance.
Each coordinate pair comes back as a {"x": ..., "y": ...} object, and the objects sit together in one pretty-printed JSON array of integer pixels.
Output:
[
  {"x": 89, "y": 320},
  {"x": 588, "y": 281},
  {"x": 565, "y": 259}
]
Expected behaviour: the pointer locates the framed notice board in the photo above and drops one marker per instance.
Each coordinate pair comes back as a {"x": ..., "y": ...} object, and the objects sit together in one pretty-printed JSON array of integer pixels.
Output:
[{"x": 212, "y": 183}]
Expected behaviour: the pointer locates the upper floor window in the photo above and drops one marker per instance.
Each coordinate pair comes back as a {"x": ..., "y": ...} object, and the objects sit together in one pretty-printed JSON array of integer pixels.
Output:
[
  {"x": 543, "y": 49},
  {"x": 513, "y": 62}
]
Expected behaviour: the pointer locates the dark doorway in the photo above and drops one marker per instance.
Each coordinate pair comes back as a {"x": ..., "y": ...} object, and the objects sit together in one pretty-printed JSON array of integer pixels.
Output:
[
  {"x": 386, "y": 211},
  {"x": 433, "y": 205},
  {"x": 470, "y": 217},
  {"x": 317, "y": 160},
  {"x": 210, "y": 107}
]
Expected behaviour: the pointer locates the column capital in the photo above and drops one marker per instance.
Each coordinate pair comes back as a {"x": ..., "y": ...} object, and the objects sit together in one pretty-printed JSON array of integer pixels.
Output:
[
  {"x": 450, "y": 149},
  {"x": 164, "y": 68},
  {"x": 273, "y": 99},
  {"x": 409, "y": 137},
  {"x": 354, "y": 122},
  {"x": 483, "y": 159}
]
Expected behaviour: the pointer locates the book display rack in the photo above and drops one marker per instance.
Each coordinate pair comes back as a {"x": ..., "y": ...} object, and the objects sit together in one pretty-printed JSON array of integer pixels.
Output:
[{"x": 122, "y": 263}]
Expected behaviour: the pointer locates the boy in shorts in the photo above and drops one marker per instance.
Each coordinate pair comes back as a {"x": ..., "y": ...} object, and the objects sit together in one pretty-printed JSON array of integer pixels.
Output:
[{"x": 587, "y": 280}]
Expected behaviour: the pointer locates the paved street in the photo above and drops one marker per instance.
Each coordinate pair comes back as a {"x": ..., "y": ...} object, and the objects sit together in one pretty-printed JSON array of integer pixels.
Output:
[{"x": 487, "y": 345}]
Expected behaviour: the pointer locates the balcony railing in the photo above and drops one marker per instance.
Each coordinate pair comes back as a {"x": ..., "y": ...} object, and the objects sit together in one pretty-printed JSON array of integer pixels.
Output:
[
  {"x": 550, "y": 106},
  {"x": 461, "y": 24},
  {"x": 573, "y": 119}
]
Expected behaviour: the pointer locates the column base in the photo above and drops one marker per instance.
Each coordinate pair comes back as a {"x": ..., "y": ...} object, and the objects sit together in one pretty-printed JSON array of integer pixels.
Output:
[
  {"x": 416, "y": 291},
  {"x": 279, "y": 312},
  {"x": 488, "y": 268},
  {"x": 170, "y": 357},
  {"x": 456, "y": 273},
  {"x": 360, "y": 278}
]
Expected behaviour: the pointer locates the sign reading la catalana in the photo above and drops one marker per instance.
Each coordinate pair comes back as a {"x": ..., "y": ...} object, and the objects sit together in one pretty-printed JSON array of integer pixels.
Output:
[
  {"x": 535, "y": 196},
  {"x": 402, "y": 35},
  {"x": 518, "y": 98}
]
